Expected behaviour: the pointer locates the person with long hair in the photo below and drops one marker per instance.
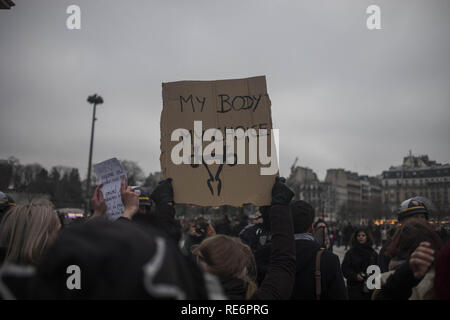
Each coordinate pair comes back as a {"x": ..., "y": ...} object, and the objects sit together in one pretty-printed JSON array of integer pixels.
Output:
[
  {"x": 407, "y": 238},
  {"x": 26, "y": 231},
  {"x": 354, "y": 266},
  {"x": 233, "y": 262},
  {"x": 412, "y": 253}
]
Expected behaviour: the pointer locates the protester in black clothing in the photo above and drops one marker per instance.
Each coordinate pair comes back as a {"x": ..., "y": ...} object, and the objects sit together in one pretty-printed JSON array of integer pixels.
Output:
[
  {"x": 443, "y": 233},
  {"x": 307, "y": 247},
  {"x": 259, "y": 237},
  {"x": 250, "y": 235},
  {"x": 238, "y": 224},
  {"x": 163, "y": 215},
  {"x": 354, "y": 267},
  {"x": 333, "y": 237},
  {"x": 382, "y": 259},
  {"x": 224, "y": 225},
  {"x": 278, "y": 281},
  {"x": 377, "y": 236},
  {"x": 347, "y": 234},
  {"x": 339, "y": 236}
]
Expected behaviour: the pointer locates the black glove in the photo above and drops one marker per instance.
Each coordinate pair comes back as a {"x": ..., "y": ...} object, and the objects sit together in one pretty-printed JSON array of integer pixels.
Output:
[
  {"x": 163, "y": 192},
  {"x": 281, "y": 193}
]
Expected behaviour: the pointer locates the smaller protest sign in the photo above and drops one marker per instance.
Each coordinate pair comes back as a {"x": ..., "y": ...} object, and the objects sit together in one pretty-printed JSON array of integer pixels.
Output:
[{"x": 110, "y": 173}]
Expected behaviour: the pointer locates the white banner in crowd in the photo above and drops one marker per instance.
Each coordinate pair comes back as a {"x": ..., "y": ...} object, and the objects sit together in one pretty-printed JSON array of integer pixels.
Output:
[{"x": 110, "y": 173}]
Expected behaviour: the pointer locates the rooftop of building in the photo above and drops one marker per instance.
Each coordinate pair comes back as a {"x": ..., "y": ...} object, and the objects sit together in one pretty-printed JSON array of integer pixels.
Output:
[{"x": 417, "y": 166}]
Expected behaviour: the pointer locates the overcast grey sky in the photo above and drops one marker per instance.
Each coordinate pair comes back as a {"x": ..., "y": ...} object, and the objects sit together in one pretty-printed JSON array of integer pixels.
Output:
[{"x": 342, "y": 95}]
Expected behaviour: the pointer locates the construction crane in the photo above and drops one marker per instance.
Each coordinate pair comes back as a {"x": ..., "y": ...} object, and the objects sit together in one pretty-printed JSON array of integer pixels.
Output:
[{"x": 294, "y": 164}]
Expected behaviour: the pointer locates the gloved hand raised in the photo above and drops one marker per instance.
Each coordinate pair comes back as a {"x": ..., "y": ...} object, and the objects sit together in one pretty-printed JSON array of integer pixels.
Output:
[
  {"x": 163, "y": 192},
  {"x": 281, "y": 193}
]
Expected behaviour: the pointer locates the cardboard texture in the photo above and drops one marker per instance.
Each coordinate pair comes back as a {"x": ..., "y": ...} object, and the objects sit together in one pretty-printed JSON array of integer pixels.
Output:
[{"x": 218, "y": 104}]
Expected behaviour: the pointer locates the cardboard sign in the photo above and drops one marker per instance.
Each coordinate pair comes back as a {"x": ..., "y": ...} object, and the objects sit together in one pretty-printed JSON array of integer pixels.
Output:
[
  {"x": 110, "y": 173},
  {"x": 195, "y": 107}
]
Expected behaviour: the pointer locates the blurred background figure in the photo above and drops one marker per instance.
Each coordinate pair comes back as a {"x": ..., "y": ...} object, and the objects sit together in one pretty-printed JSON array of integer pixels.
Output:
[
  {"x": 250, "y": 234},
  {"x": 6, "y": 202},
  {"x": 145, "y": 202},
  {"x": 199, "y": 230},
  {"x": 347, "y": 234},
  {"x": 322, "y": 234}
]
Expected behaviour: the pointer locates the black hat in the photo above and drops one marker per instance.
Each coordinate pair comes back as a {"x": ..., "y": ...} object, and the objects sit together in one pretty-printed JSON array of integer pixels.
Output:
[
  {"x": 302, "y": 215},
  {"x": 117, "y": 260}
]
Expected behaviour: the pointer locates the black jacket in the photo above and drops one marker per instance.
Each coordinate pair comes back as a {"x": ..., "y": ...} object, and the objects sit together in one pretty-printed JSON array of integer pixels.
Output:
[
  {"x": 383, "y": 260},
  {"x": 356, "y": 260},
  {"x": 163, "y": 218},
  {"x": 279, "y": 279},
  {"x": 333, "y": 285},
  {"x": 234, "y": 288},
  {"x": 250, "y": 235},
  {"x": 399, "y": 285},
  {"x": 259, "y": 239}
]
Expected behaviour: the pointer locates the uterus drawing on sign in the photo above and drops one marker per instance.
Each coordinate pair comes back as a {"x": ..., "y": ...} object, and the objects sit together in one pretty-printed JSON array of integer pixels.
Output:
[{"x": 214, "y": 178}]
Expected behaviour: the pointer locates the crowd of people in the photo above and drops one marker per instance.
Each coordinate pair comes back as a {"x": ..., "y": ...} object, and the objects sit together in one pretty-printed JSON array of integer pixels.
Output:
[{"x": 285, "y": 252}]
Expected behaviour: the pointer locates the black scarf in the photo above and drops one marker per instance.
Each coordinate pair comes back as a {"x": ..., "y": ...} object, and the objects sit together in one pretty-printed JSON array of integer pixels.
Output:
[{"x": 234, "y": 288}]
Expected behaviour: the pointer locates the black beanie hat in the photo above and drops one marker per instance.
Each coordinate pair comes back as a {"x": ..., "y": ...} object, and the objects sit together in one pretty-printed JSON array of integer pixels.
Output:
[{"x": 117, "y": 260}]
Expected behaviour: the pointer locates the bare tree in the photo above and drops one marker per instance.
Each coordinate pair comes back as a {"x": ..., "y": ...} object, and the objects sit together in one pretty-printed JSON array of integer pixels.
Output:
[{"x": 135, "y": 174}]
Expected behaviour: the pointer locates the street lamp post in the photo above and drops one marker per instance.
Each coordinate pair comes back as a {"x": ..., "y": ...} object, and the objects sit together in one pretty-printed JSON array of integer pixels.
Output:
[{"x": 94, "y": 99}]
